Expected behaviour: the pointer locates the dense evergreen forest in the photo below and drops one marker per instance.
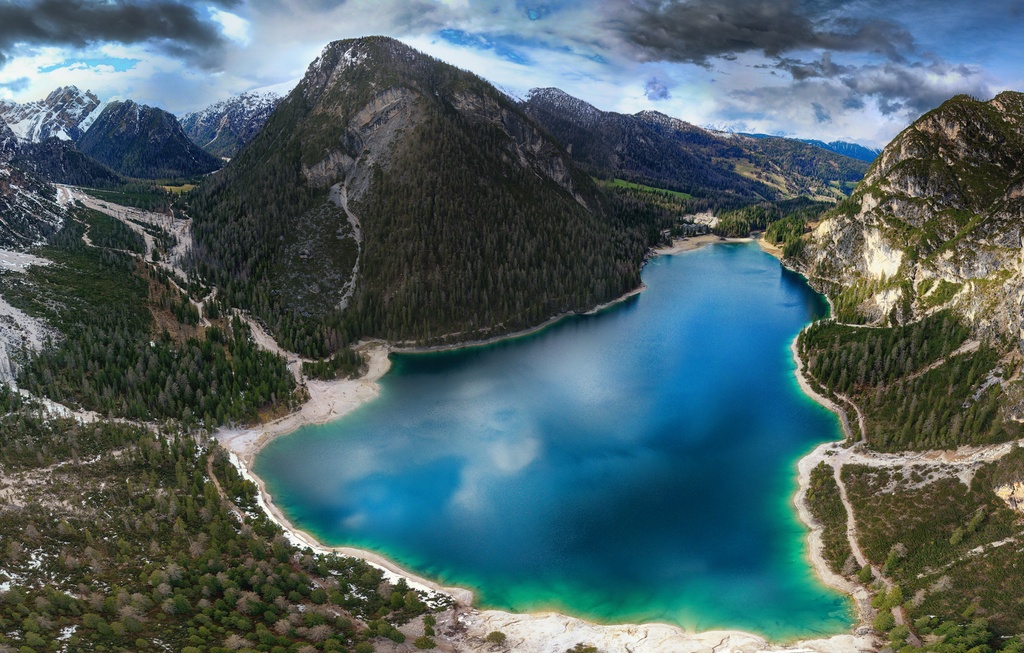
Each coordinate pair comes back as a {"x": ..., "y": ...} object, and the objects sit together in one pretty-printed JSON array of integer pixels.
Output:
[
  {"x": 118, "y": 355},
  {"x": 915, "y": 389},
  {"x": 784, "y": 221},
  {"x": 173, "y": 556},
  {"x": 61, "y": 162}
]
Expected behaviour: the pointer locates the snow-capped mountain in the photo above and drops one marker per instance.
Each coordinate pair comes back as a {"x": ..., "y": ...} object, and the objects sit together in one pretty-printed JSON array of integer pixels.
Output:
[
  {"x": 66, "y": 113},
  {"x": 224, "y": 128},
  {"x": 852, "y": 150}
]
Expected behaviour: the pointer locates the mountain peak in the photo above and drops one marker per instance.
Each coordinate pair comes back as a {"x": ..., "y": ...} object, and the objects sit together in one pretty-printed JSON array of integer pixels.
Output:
[
  {"x": 940, "y": 207},
  {"x": 63, "y": 114},
  {"x": 223, "y": 128},
  {"x": 143, "y": 141}
]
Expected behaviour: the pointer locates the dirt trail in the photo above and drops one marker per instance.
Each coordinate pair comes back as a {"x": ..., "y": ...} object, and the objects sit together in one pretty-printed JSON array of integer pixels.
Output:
[
  {"x": 266, "y": 342},
  {"x": 180, "y": 230},
  {"x": 339, "y": 196}
]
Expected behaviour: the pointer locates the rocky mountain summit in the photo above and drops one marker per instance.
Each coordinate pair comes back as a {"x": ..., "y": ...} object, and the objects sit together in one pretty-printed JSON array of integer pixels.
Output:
[
  {"x": 66, "y": 114},
  {"x": 936, "y": 223}
]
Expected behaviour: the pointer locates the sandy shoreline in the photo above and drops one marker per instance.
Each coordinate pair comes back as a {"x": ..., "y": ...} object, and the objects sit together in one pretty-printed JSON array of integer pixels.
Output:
[
  {"x": 546, "y": 632},
  {"x": 861, "y": 597},
  {"x": 692, "y": 243}
]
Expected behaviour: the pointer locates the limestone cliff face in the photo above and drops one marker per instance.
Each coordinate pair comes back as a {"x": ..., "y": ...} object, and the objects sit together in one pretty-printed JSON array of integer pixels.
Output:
[{"x": 936, "y": 222}]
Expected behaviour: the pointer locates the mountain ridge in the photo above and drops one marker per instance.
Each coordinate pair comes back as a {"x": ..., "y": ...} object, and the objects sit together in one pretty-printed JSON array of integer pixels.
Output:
[
  {"x": 142, "y": 141},
  {"x": 66, "y": 113},
  {"x": 655, "y": 149},
  {"x": 224, "y": 127}
]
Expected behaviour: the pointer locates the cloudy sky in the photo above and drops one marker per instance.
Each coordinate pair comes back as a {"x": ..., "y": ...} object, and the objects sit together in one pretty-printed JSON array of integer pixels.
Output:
[{"x": 856, "y": 70}]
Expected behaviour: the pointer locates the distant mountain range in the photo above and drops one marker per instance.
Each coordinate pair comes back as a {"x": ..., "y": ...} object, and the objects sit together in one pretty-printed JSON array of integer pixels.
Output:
[
  {"x": 73, "y": 137},
  {"x": 65, "y": 114},
  {"x": 658, "y": 150},
  {"x": 223, "y": 128},
  {"x": 852, "y": 150}
]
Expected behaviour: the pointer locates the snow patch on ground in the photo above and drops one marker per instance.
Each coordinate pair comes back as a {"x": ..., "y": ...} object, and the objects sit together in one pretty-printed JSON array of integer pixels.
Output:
[
  {"x": 19, "y": 261},
  {"x": 19, "y": 333}
]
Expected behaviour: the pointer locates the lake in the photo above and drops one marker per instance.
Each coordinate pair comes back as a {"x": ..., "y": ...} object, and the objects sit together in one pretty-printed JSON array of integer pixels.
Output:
[{"x": 635, "y": 465}]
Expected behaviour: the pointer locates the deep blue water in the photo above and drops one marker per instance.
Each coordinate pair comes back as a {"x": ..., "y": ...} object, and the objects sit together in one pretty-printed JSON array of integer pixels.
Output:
[{"x": 634, "y": 465}]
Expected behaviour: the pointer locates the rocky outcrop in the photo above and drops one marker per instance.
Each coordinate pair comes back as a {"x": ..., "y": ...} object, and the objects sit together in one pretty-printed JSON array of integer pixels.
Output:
[
  {"x": 1013, "y": 495},
  {"x": 936, "y": 222}
]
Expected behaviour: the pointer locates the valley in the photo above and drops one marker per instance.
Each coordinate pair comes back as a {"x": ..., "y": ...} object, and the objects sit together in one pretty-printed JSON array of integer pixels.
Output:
[{"x": 152, "y": 342}]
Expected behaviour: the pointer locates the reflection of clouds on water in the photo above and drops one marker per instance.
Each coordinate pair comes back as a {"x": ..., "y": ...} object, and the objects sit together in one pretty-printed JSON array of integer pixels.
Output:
[
  {"x": 537, "y": 470},
  {"x": 355, "y": 521},
  {"x": 492, "y": 465}
]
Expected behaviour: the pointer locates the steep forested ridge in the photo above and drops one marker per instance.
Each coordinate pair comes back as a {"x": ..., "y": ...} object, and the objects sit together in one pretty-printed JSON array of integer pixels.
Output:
[
  {"x": 146, "y": 142},
  {"x": 924, "y": 268},
  {"x": 467, "y": 219},
  {"x": 61, "y": 162}
]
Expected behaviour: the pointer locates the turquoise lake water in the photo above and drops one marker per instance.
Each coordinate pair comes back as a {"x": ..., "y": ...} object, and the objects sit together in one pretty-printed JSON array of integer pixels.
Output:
[{"x": 634, "y": 465}]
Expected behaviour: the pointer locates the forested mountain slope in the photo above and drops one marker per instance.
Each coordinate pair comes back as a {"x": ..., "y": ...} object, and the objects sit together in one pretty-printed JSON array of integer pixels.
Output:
[
  {"x": 657, "y": 150},
  {"x": 934, "y": 229},
  {"x": 146, "y": 142},
  {"x": 61, "y": 162},
  {"x": 396, "y": 196},
  {"x": 28, "y": 212}
]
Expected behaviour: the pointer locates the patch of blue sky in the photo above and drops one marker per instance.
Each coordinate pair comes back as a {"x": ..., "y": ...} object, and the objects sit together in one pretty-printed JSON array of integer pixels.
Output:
[
  {"x": 512, "y": 48},
  {"x": 539, "y": 10},
  {"x": 119, "y": 64},
  {"x": 506, "y": 47}
]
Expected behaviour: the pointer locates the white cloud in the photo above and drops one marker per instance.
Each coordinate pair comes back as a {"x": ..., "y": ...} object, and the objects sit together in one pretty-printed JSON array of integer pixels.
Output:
[{"x": 232, "y": 26}]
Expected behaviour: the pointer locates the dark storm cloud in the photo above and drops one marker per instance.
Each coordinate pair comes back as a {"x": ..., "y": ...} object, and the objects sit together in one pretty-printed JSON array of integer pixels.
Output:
[
  {"x": 17, "y": 85},
  {"x": 697, "y": 31},
  {"x": 801, "y": 70},
  {"x": 176, "y": 28},
  {"x": 821, "y": 114},
  {"x": 896, "y": 86},
  {"x": 913, "y": 88},
  {"x": 655, "y": 90}
]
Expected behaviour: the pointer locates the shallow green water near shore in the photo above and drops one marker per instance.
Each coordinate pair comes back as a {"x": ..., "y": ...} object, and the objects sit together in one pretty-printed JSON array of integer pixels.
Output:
[{"x": 635, "y": 465}]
